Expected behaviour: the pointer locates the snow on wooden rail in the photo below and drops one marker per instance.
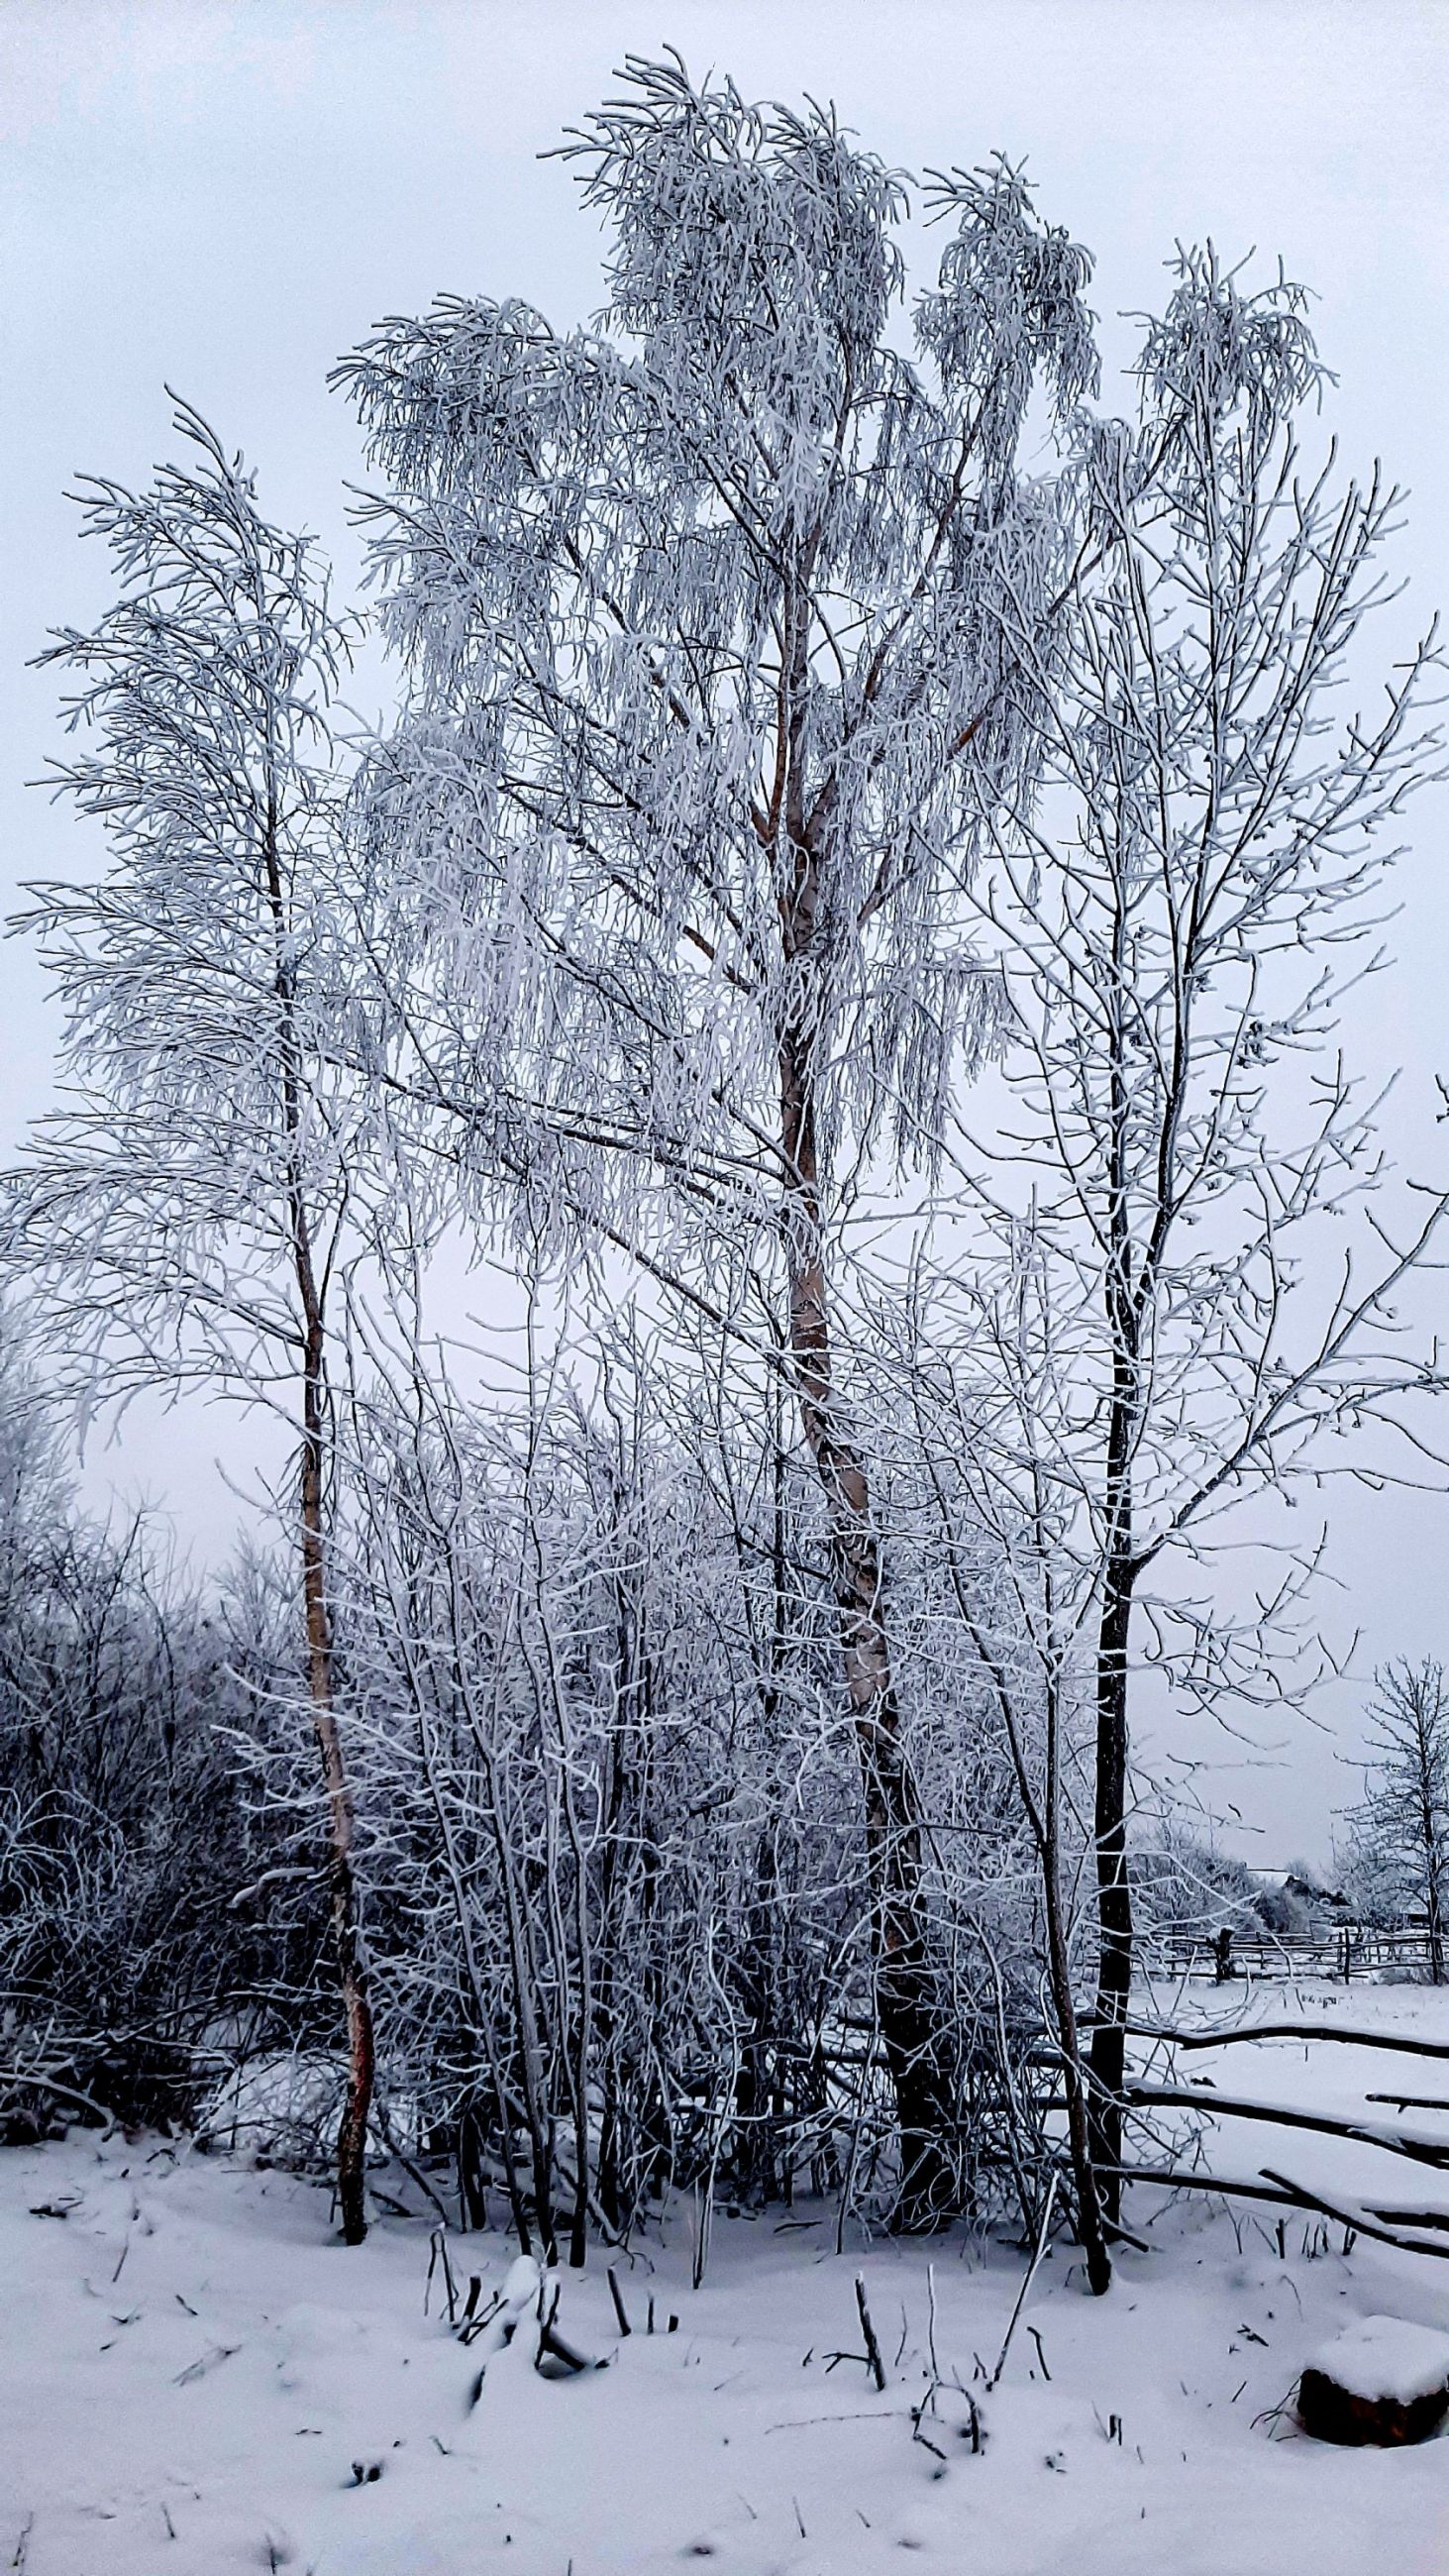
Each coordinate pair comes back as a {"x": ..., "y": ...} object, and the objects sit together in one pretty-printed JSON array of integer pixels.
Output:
[{"x": 1347, "y": 1952}]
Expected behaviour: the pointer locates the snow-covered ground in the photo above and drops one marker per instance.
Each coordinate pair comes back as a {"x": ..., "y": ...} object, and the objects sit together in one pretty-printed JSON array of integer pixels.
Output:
[{"x": 190, "y": 2367}]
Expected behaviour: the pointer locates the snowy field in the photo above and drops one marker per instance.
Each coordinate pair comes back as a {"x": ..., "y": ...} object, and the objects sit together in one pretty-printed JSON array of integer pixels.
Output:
[{"x": 191, "y": 2368}]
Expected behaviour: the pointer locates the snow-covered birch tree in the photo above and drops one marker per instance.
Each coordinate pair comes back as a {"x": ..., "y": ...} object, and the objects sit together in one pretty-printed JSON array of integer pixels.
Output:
[
  {"x": 185, "y": 1207},
  {"x": 711, "y": 679}
]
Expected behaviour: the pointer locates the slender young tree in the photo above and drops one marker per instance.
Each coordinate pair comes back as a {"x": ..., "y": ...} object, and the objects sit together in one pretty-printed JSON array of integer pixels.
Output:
[
  {"x": 990, "y": 1430},
  {"x": 186, "y": 1207},
  {"x": 704, "y": 615},
  {"x": 1179, "y": 918}
]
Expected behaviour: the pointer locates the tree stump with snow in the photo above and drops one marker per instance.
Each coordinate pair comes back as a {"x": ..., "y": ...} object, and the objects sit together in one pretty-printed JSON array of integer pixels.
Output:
[{"x": 1382, "y": 2380}]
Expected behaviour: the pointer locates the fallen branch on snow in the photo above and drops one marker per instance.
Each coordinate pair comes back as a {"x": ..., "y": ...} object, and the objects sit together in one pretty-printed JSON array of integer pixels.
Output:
[
  {"x": 1305, "y": 2030},
  {"x": 1352, "y": 2214},
  {"x": 29, "y": 2078},
  {"x": 1383, "y": 2223},
  {"x": 1231, "y": 2106},
  {"x": 1031, "y": 2273}
]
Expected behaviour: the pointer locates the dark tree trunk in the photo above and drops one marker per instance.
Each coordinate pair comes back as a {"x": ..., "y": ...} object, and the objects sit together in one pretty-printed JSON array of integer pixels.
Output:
[
  {"x": 1114, "y": 1895},
  {"x": 351, "y": 1967},
  {"x": 1124, "y": 1291},
  {"x": 1059, "y": 1974},
  {"x": 342, "y": 1881}
]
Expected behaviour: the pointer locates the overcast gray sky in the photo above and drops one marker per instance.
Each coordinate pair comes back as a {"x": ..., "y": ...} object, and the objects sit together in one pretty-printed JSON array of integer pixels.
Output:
[{"x": 225, "y": 197}]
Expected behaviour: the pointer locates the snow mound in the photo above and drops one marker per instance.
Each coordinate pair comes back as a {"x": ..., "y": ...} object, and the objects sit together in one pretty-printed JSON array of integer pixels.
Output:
[
  {"x": 1386, "y": 2358},
  {"x": 281, "y": 2106},
  {"x": 309, "y": 2327}
]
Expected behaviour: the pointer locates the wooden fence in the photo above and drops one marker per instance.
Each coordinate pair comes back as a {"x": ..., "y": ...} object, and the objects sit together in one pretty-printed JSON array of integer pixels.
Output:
[{"x": 1339, "y": 1956}]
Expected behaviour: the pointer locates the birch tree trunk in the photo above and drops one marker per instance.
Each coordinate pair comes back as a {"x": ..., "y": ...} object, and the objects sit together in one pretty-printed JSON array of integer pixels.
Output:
[{"x": 907, "y": 1999}]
